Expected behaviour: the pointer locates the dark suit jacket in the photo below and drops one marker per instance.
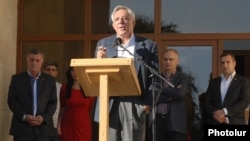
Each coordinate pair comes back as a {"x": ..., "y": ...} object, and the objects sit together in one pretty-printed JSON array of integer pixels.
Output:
[
  {"x": 176, "y": 99},
  {"x": 20, "y": 103},
  {"x": 146, "y": 50},
  {"x": 236, "y": 100}
]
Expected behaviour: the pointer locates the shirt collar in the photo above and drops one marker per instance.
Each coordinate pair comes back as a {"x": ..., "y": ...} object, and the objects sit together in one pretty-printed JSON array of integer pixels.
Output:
[
  {"x": 32, "y": 76},
  {"x": 230, "y": 77},
  {"x": 169, "y": 76},
  {"x": 131, "y": 41}
]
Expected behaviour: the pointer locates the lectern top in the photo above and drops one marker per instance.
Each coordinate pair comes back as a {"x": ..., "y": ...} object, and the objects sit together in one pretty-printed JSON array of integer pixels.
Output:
[
  {"x": 101, "y": 62},
  {"x": 122, "y": 77}
]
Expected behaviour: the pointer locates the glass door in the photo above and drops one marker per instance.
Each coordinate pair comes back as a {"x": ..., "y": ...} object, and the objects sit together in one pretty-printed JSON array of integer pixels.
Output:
[{"x": 197, "y": 59}]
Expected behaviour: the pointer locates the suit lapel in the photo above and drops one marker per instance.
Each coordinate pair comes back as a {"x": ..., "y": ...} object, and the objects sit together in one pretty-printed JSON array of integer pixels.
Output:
[
  {"x": 27, "y": 83},
  {"x": 112, "y": 52},
  {"x": 138, "y": 52},
  {"x": 175, "y": 78},
  {"x": 41, "y": 84},
  {"x": 231, "y": 86},
  {"x": 217, "y": 86},
  {"x": 136, "y": 62}
]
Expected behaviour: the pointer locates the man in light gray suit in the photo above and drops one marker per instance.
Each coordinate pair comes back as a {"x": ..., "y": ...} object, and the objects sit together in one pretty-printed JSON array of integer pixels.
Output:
[{"x": 128, "y": 114}]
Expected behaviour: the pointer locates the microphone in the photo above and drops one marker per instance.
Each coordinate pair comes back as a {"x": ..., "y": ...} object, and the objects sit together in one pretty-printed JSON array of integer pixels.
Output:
[{"x": 118, "y": 41}]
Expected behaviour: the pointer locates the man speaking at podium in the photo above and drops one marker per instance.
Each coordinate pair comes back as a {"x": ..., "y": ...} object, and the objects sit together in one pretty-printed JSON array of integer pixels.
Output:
[{"x": 127, "y": 119}]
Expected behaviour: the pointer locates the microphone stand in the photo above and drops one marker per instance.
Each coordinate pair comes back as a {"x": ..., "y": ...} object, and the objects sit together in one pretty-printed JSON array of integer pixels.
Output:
[{"x": 153, "y": 74}]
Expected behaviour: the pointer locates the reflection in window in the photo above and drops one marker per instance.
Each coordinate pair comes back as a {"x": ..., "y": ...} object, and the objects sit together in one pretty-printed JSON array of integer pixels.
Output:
[
  {"x": 196, "y": 61},
  {"x": 209, "y": 16},
  {"x": 236, "y": 44},
  {"x": 144, "y": 15}
]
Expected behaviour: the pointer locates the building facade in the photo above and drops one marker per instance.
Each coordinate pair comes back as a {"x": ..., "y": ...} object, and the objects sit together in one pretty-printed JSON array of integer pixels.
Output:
[{"x": 199, "y": 30}]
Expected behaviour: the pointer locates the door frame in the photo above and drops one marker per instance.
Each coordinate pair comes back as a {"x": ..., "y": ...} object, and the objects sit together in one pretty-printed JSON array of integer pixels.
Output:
[
  {"x": 246, "y": 55},
  {"x": 217, "y": 49}
]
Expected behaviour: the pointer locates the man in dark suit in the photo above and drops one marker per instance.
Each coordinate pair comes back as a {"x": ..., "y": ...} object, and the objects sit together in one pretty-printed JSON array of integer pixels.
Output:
[
  {"x": 227, "y": 96},
  {"x": 128, "y": 114},
  {"x": 32, "y": 99},
  {"x": 171, "y": 108}
]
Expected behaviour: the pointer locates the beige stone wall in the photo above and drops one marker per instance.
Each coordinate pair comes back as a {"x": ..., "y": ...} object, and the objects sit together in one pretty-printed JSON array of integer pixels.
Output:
[{"x": 8, "y": 35}]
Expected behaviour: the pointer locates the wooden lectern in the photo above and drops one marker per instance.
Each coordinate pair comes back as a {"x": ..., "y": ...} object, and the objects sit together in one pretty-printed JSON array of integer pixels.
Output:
[{"x": 106, "y": 77}]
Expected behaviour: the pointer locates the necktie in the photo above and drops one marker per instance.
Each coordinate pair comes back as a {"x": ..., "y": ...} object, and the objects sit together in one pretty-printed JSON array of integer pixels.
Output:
[{"x": 34, "y": 96}]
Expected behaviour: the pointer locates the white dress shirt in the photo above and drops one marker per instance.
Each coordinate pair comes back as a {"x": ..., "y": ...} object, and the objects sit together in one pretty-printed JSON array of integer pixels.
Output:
[{"x": 225, "y": 83}]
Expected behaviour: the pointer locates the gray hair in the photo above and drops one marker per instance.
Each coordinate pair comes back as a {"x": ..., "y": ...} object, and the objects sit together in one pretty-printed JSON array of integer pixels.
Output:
[{"x": 118, "y": 7}]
